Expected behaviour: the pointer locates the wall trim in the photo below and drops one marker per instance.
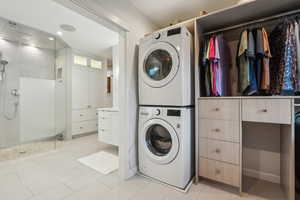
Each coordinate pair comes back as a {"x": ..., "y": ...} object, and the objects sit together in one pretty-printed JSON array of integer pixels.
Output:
[{"x": 261, "y": 175}]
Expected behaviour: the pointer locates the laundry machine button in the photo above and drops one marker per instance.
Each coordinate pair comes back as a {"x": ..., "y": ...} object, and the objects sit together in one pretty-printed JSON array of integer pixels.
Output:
[
  {"x": 157, "y": 36},
  {"x": 157, "y": 112}
]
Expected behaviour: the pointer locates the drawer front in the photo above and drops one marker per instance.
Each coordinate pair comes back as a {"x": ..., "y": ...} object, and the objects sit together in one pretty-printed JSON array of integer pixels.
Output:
[
  {"x": 219, "y": 171},
  {"x": 219, "y": 130},
  {"x": 267, "y": 110},
  {"x": 106, "y": 136},
  {"x": 105, "y": 123},
  {"x": 219, "y": 150},
  {"x": 92, "y": 126},
  {"x": 79, "y": 128},
  {"x": 105, "y": 114},
  {"x": 226, "y": 109},
  {"x": 84, "y": 115}
]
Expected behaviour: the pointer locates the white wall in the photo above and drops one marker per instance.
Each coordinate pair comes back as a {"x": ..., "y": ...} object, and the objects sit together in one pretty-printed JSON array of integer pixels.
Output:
[{"x": 115, "y": 78}]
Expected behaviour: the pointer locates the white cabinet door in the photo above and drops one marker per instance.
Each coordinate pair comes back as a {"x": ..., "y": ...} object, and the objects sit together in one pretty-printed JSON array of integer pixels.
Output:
[
  {"x": 96, "y": 88},
  {"x": 108, "y": 130},
  {"x": 80, "y": 88}
]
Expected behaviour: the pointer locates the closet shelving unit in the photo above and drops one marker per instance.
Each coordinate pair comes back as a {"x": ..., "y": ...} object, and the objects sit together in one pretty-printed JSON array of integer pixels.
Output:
[
  {"x": 256, "y": 119},
  {"x": 227, "y": 20}
]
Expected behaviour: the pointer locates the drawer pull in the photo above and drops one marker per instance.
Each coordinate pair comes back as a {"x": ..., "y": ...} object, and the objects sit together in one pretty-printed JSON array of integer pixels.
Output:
[
  {"x": 81, "y": 115},
  {"x": 218, "y": 151},
  {"x": 218, "y": 171},
  {"x": 81, "y": 127},
  {"x": 216, "y": 130},
  {"x": 217, "y": 109},
  {"x": 264, "y": 110}
]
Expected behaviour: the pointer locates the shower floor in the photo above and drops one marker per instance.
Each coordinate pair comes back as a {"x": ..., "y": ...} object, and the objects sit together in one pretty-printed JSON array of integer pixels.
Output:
[{"x": 24, "y": 150}]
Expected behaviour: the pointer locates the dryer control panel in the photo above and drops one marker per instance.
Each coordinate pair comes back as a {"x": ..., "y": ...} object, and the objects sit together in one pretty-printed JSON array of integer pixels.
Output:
[{"x": 173, "y": 113}]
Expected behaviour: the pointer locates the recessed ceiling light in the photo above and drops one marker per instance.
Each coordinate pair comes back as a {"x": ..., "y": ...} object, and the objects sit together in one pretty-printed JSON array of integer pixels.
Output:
[
  {"x": 59, "y": 33},
  {"x": 68, "y": 27},
  {"x": 50, "y": 38}
]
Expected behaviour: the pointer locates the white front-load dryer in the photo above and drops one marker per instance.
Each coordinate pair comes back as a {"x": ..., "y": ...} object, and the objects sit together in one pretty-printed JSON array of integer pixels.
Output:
[
  {"x": 165, "y": 68},
  {"x": 166, "y": 144}
]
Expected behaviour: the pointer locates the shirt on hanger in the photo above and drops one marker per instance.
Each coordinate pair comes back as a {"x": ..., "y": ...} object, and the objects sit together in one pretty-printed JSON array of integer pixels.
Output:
[
  {"x": 243, "y": 62},
  {"x": 224, "y": 55},
  {"x": 218, "y": 68},
  {"x": 297, "y": 35},
  {"x": 265, "y": 81},
  {"x": 252, "y": 88},
  {"x": 259, "y": 56},
  {"x": 278, "y": 38},
  {"x": 212, "y": 65},
  {"x": 206, "y": 71},
  {"x": 290, "y": 62}
]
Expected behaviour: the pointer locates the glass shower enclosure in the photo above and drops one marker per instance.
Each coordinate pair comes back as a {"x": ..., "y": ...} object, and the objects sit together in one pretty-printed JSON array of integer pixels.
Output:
[{"x": 31, "y": 91}]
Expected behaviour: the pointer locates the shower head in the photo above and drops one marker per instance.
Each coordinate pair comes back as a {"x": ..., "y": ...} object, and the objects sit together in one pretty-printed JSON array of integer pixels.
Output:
[{"x": 4, "y": 62}]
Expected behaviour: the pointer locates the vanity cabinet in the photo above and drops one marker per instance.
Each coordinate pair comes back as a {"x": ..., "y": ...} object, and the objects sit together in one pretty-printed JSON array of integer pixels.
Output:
[{"x": 108, "y": 126}]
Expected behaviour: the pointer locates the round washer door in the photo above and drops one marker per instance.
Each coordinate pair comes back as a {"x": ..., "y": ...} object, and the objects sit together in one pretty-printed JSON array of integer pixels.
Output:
[
  {"x": 160, "y": 141},
  {"x": 160, "y": 64}
]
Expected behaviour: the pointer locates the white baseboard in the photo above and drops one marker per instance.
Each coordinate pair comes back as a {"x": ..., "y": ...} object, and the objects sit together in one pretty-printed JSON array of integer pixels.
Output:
[{"x": 262, "y": 175}]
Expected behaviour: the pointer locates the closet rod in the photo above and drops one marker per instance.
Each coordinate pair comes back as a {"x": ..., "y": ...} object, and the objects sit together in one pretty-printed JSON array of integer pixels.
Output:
[{"x": 255, "y": 22}]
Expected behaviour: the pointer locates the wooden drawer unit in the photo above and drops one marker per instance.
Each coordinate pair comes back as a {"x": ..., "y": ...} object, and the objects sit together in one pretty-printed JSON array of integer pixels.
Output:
[
  {"x": 219, "y": 171},
  {"x": 267, "y": 110},
  {"x": 220, "y": 151},
  {"x": 225, "y": 109},
  {"x": 219, "y": 130}
]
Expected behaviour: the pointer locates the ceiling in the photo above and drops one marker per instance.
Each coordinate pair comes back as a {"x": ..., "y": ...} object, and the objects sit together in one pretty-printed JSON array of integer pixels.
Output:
[
  {"x": 164, "y": 12},
  {"x": 47, "y": 16},
  {"x": 25, "y": 35}
]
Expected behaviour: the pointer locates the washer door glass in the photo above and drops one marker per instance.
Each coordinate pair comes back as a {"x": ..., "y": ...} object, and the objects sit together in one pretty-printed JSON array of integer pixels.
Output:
[
  {"x": 158, "y": 65},
  {"x": 159, "y": 140}
]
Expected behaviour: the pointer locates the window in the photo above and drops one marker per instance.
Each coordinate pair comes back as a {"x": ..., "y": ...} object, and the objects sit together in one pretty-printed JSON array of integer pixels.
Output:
[
  {"x": 80, "y": 60},
  {"x": 96, "y": 64}
]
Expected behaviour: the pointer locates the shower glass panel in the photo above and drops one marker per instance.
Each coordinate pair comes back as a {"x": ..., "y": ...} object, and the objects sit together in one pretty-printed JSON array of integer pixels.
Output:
[{"x": 29, "y": 90}]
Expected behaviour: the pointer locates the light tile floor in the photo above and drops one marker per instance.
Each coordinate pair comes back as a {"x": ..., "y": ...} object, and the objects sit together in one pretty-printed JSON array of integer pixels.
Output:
[{"x": 57, "y": 175}]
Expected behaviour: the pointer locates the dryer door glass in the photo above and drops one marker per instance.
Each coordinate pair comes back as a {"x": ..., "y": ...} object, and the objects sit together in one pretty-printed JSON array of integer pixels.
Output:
[
  {"x": 159, "y": 140},
  {"x": 158, "y": 64}
]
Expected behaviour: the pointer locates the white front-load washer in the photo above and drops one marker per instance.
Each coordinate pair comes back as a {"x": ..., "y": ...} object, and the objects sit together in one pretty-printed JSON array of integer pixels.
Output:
[
  {"x": 166, "y": 149},
  {"x": 165, "y": 68}
]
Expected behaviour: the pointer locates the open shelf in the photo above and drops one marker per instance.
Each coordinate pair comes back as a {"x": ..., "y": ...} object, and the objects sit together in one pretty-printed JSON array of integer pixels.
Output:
[{"x": 262, "y": 189}]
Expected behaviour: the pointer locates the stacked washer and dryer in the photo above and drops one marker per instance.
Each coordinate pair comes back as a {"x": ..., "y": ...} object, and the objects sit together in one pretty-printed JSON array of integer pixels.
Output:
[{"x": 166, "y": 107}]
